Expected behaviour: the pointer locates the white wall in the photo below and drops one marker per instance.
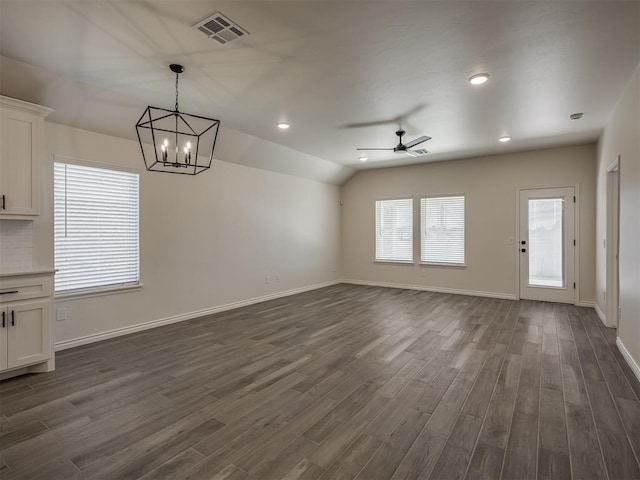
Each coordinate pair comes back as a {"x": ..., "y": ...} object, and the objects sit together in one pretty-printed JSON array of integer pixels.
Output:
[
  {"x": 490, "y": 185},
  {"x": 206, "y": 240},
  {"x": 622, "y": 137}
]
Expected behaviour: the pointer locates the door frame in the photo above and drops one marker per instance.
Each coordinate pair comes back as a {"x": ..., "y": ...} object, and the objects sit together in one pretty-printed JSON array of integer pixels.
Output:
[
  {"x": 576, "y": 250},
  {"x": 612, "y": 244}
]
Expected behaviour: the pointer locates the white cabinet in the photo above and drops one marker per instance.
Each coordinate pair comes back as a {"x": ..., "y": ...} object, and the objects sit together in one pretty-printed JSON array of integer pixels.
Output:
[
  {"x": 21, "y": 138},
  {"x": 25, "y": 323}
]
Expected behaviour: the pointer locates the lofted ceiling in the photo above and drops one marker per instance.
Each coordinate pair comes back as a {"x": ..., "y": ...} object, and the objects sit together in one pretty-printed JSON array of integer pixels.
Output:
[{"x": 343, "y": 74}]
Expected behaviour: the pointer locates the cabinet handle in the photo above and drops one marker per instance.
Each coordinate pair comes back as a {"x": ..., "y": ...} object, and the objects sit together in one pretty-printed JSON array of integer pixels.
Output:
[
  {"x": 8, "y": 292},
  {"x": 13, "y": 318},
  {"x": 3, "y": 315},
  {"x": 4, "y": 204}
]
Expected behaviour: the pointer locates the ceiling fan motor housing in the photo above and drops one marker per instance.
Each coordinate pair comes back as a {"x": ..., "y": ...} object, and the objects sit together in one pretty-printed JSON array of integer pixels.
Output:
[{"x": 400, "y": 148}]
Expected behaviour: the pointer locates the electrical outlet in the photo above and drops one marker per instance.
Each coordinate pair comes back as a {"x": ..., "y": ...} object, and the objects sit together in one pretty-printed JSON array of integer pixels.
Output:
[
  {"x": 61, "y": 314},
  {"x": 267, "y": 280},
  {"x": 277, "y": 278},
  {"x": 422, "y": 272},
  {"x": 510, "y": 240}
]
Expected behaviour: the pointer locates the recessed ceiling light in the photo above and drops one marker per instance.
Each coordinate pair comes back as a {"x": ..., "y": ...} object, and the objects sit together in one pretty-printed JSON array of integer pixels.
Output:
[
  {"x": 479, "y": 78},
  {"x": 576, "y": 116},
  {"x": 283, "y": 125},
  {"x": 504, "y": 139},
  {"x": 363, "y": 158}
]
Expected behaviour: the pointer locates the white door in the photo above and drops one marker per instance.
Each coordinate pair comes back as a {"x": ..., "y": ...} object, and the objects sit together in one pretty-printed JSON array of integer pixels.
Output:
[
  {"x": 547, "y": 244},
  {"x": 612, "y": 245}
]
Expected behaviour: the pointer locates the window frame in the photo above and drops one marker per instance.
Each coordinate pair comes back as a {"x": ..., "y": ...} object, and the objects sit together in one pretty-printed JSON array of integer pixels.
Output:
[
  {"x": 104, "y": 289},
  {"x": 464, "y": 245},
  {"x": 375, "y": 232}
]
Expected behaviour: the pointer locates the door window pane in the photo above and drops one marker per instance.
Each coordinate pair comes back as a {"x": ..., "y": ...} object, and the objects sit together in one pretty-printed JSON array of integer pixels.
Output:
[{"x": 546, "y": 252}]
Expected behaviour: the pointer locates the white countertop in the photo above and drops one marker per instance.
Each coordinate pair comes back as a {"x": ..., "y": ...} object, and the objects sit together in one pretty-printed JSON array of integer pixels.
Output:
[{"x": 27, "y": 271}]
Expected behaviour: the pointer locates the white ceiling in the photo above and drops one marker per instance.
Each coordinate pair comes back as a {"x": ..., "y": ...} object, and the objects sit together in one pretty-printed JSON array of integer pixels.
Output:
[{"x": 326, "y": 65}]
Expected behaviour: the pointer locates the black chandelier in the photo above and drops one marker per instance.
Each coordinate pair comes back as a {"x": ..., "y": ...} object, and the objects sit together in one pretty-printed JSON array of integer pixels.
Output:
[{"x": 176, "y": 142}]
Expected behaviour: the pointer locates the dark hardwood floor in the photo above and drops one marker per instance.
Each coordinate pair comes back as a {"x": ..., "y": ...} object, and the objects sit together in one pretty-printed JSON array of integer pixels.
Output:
[{"x": 343, "y": 382}]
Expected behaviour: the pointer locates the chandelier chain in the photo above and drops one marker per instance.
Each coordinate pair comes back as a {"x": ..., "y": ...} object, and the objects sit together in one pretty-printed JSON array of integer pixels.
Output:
[{"x": 177, "y": 91}]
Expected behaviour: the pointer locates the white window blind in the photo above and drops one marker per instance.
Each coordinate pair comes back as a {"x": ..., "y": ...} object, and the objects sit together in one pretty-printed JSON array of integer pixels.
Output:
[
  {"x": 442, "y": 230},
  {"x": 394, "y": 230},
  {"x": 96, "y": 227}
]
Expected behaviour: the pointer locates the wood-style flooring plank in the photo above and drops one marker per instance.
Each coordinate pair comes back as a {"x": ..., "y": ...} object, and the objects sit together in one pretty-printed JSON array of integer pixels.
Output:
[{"x": 342, "y": 382}]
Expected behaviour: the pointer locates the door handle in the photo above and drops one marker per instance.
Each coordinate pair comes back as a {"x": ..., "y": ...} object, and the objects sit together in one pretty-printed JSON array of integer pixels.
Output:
[
  {"x": 523, "y": 250},
  {"x": 13, "y": 318},
  {"x": 3, "y": 319},
  {"x": 8, "y": 292},
  {"x": 523, "y": 242},
  {"x": 4, "y": 204}
]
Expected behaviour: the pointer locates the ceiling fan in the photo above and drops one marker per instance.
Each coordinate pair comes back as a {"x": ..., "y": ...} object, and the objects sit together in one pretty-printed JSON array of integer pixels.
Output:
[{"x": 405, "y": 147}]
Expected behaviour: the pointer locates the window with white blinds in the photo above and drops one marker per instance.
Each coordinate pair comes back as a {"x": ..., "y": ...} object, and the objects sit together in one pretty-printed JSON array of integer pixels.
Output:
[
  {"x": 394, "y": 230},
  {"x": 442, "y": 230},
  {"x": 96, "y": 227}
]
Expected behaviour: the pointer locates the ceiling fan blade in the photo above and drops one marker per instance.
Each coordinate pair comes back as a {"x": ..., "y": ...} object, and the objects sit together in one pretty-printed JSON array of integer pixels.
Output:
[
  {"x": 417, "y": 141},
  {"x": 376, "y": 123},
  {"x": 374, "y": 148},
  {"x": 400, "y": 119}
]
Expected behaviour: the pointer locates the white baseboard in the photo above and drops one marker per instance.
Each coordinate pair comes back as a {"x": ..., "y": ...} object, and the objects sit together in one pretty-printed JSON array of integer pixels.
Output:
[
  {"x": 118, "y": 332},
  {"x": 627, "y": 356},
  {"x": 601, "y": 315},
  {"x": 599, "y": 312},
  {"x": 473, "y": 293},
  {"x": 586, "y": 304}
]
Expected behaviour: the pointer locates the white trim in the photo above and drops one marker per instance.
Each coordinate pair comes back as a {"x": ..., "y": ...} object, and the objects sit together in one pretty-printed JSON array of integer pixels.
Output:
[
  {"x": 91, "y": 164},
  {"x": 578, "y": 239},
  {"x": 28, "y": 107},
  {"x": 118, "y": 332},
  {"x": 454, "y": 291},
  {"x": 78, "y": 294},
  {"x": 443, "y": 264},
  {"x": 601, "y": 314},
  {"x": 517, "y": 244},
  {"x": 586, "y": 303},
  {"x": 596, "y": 307},
  {"x": 627, "y": 356}
]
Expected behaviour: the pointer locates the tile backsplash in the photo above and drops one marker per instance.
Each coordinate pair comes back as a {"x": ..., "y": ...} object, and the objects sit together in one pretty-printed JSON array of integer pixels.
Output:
[{"x": 16, "y": 244}]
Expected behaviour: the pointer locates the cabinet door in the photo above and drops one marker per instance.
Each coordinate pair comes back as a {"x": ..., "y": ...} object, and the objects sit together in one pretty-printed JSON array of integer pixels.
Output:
[
  {"x": 19, "y": 163},
  {"x": 28, "y": 332},
  {"x": 3, "y": 339}
]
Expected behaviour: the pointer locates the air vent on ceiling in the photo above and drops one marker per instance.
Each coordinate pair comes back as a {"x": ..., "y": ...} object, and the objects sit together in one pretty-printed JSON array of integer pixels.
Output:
[
  {"x": 420, "y": 151},
  {"x": 221, "y": 29}
]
